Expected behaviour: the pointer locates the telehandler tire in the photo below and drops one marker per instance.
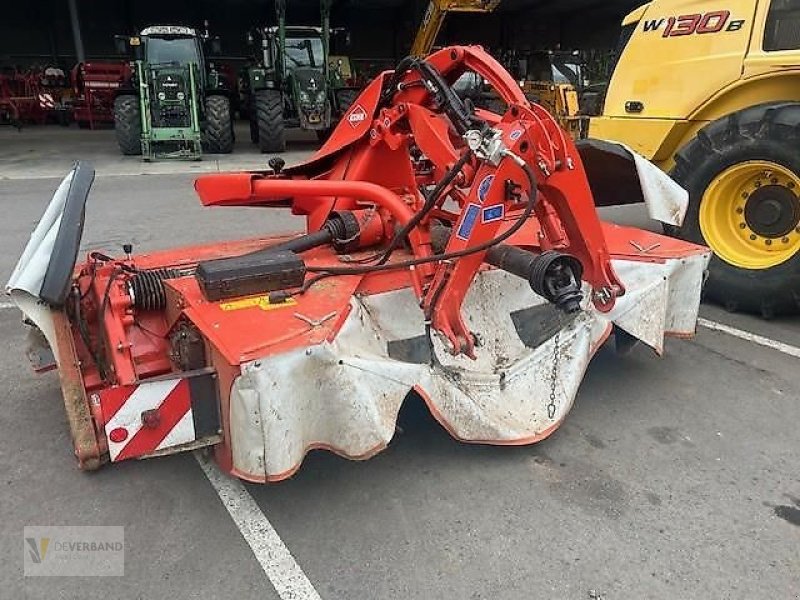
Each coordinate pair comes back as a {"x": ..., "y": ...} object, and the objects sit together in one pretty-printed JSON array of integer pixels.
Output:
[
  {"x": 219, "y": 125},
  {"x": 269, "y": 116},
  {"x": 742, "y": 173},
  {"x": 128, "y": 124}
]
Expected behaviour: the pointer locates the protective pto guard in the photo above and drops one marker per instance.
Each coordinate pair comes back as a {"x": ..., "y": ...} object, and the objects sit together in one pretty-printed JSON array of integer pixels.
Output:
[{"x": 344, "y": 395}]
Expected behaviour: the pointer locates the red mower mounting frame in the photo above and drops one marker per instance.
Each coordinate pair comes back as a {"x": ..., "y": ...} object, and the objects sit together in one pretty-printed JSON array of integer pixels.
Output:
[{"x": 450, "y": 251}]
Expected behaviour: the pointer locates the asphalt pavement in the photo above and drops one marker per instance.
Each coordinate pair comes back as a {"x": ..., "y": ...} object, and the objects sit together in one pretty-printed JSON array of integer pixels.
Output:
[{"x": 672, "y": 477}]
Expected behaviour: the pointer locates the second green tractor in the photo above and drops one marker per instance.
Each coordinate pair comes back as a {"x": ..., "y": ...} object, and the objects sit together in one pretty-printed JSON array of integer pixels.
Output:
[{"x": 293, "y": 81}]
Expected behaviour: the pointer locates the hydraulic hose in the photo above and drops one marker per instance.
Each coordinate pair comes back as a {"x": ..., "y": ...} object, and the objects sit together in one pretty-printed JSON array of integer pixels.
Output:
[
  {"x": 430, "y": 202},
  {"x": 532, "y": 195}
]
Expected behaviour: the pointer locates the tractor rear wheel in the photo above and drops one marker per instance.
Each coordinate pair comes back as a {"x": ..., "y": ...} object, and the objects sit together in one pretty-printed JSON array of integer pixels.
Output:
[
  {"x": 742, "y": 173},
  {"x": 269, "y": 117},
  {"x": 128, "y": 124},
  {"x": 219, "y": 125}
]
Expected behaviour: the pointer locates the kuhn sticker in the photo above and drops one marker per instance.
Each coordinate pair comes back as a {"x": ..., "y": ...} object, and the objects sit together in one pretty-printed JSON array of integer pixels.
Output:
[
  {"x": 468, "y": 223},
  {"x": 697, "y": 23},
  {"x": 492, "y": 213},
  {"x": 483, "y": 187},
  {"x": 357, "y": 116}
]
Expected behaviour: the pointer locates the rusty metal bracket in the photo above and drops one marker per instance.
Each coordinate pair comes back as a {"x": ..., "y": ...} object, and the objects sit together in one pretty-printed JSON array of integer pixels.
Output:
[{"x": 79, "y": 414}]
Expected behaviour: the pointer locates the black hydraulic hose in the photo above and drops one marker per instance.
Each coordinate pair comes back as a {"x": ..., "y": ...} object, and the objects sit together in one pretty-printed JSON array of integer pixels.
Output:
[
  {"x": 83, "y": 330},
  {"x": 455, "y": 108},
  {"x": 461, "y": 114},
  {"x": 458, "y": 253},
  {"x": 430, "y": 202},
  {"x": 401, "y": 68}
]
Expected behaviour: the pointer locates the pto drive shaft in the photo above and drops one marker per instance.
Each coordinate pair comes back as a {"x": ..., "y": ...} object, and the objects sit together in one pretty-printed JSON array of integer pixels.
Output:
[{"x": 551, "y": 274}]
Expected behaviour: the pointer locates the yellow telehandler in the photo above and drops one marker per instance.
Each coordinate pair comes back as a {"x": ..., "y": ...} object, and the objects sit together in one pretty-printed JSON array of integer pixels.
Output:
[
  {"x": 434, "y": 16},
  {"x": 709, "y": 90}
]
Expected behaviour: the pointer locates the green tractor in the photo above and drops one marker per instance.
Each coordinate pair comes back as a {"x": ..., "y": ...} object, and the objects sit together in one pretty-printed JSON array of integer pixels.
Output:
[
  {"x": 294, "y": 82},
  {"x": 175, "y": 104}
]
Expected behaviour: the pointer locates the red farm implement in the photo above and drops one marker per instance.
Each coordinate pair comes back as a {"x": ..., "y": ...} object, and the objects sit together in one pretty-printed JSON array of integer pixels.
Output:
[
  {"x": 451, "y": 253},
  {"x": 95, "y": 84}
]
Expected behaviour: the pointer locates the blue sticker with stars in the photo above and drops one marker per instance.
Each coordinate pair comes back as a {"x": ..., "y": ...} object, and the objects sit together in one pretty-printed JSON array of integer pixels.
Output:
[
  {"x": 492, "y": 213},
  {"x": 468, "y": 223},
  {"x": 483, "y": 187}
]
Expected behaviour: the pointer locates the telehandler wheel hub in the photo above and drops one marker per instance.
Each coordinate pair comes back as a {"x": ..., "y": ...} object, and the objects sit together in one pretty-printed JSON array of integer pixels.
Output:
[
  {"x": 772, "y": 211},
  {"x": 750, "y": 214}
]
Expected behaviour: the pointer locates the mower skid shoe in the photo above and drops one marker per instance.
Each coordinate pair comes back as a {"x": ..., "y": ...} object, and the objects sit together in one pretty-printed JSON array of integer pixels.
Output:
[{"x": 344, "y": 395}]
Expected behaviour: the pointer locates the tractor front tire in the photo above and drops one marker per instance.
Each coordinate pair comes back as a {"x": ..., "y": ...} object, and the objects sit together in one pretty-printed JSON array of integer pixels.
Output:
[
  {"x": 323, "y": 134},
  {"x": 253, "y": 128},
  {"x": 128, "y": 124},
  {"x": 269, "y": 117},
  {"x": 219, "y": 125},
  {"x": 742, "y": 173},
  {"x": 345, "y": 99}
]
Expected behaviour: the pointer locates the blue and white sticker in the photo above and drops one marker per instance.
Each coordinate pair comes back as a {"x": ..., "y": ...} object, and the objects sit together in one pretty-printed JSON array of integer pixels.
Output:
[
  {"x": 516, "y": 134},
  {"x": 469, "y": 221},
  {"x": 493, "y": 213},
  {"x": 483, "y": 187}
]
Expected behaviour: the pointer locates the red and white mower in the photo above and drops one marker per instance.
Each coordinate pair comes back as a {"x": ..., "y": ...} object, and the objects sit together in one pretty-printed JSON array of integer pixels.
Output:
[{"x": 450, "y": 252}]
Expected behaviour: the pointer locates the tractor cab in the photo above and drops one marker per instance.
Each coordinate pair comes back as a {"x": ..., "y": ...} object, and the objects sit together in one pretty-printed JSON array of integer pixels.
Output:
[
  {"x": 171, "y": 45},
  {"x": 175, "y": 60},
  {"x": 305, "y": 68},
  {"x": 304, "y": 50}
]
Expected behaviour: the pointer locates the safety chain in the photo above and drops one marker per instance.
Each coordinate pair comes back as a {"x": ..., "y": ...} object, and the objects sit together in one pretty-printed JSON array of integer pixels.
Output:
[{"x": 551, "y": 407}]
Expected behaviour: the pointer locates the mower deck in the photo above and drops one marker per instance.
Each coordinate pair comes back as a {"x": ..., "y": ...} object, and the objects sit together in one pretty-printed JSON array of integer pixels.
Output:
[
  {"x": 337, "y": 362},
  {"x": 450, "y": 252}
]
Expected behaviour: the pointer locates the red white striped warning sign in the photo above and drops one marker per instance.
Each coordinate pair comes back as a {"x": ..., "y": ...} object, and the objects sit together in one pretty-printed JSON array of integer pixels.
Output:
[
  {"x": 153, "y": 416},
  {"x": 46, "y": 101}
]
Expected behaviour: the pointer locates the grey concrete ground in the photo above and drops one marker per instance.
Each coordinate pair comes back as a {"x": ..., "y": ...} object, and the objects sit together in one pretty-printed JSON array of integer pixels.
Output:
[
  {"x": 672, "y": 478},
  {"x": 43, "y": 152}
]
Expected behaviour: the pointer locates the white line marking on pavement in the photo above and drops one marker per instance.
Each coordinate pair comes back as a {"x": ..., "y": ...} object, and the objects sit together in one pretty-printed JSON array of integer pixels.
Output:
[
  {"x": 751, "y": 337},
  {"x": 7, "y": 305},
  {"x": 284, "y": 573}
]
